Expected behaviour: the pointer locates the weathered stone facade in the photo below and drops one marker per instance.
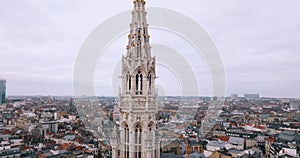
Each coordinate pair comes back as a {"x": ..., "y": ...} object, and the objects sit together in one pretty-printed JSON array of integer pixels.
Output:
[{"x": 139, "y": 137}]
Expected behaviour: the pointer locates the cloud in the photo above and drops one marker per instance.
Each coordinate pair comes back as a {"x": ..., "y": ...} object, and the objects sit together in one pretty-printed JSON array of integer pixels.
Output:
[{"x": 258, "y": 42}]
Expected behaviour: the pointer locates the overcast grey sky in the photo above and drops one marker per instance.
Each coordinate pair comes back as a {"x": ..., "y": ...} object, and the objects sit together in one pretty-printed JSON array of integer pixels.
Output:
[{"x": 259, "y": 42}]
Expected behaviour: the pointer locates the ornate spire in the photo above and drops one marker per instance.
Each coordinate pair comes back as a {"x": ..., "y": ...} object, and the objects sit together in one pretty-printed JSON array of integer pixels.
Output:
[
  {"x": 138, "y": 1},
  {"x": 138, "y": 39},
  {"x": 138, "y": 66},
  {"x": 137, "y": 100}
]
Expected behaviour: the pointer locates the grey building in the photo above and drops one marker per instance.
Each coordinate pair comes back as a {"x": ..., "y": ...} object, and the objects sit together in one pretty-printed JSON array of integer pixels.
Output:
[
  {"x": 251, "y": 96},
  {"x": 2, "y": 91},
  {"x": 295, "y": 105},
  {"x": 234, "y": 96},
  {"x": 288, "y": 137}
]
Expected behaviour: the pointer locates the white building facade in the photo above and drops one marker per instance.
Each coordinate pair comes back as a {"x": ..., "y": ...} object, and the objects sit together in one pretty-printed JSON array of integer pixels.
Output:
[{"x": 138, "y": 134}]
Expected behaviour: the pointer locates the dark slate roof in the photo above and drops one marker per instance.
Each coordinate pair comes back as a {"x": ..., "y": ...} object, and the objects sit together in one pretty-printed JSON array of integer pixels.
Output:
[
  {"x": 195, "y": 143},
  {"x": 169, "y": 155},
  {"x": 10, "y": 152},
  {"x": 289, "y": 136}
]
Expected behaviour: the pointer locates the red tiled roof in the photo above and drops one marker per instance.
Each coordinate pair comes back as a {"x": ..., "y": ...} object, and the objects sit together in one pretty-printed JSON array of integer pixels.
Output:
[
  {"x": 6, "y": 131},
  {"x": 224, "y": 138},
  {"x": 233, "y": 124},
  {"x": 271, "y": 140},
  {"x": 260, "y": 127},
  {"x": 24, "y": 148},
  {"x": 64, "y": 146}
]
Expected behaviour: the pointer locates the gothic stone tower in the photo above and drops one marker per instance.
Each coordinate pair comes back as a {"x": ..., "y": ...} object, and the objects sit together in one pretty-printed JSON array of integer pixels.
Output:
[{"x": 138, "y": 97}]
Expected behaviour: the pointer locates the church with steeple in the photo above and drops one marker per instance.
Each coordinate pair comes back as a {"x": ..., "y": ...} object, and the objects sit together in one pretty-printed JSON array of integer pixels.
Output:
[{"x": 138, "y": 136}]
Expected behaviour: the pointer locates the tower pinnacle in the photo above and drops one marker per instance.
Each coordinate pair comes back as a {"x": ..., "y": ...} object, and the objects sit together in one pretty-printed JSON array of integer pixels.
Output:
[
  {"x": 138, "y": 39},
  {"x": 139, "y": 1}
]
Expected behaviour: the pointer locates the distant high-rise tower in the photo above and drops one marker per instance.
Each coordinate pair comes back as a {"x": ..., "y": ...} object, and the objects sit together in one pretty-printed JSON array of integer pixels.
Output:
[
  {"x": 139, "y": 137},
  {"x": 251, "y": 96},
  {"x": 2, "y": 91},
  {"x": 71, "y": 103}
]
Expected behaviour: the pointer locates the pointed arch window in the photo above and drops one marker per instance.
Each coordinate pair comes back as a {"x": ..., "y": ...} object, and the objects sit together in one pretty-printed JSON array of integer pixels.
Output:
[
  {"x": 149, "y": 82},
  {"x": 145, "y": 37},
  {"x": 128, "y": 83},
  {"x": 126, "y": 141},
  {"x": 138, "y": 141},
  {"x": 139, "y": 83},
  {"x": 150, "y": 127},
  {"x": 139, "y": 47}
]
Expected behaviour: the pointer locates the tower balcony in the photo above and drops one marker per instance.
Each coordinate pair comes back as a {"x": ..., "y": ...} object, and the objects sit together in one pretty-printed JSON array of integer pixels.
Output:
[{"x": 139, "y": 93}]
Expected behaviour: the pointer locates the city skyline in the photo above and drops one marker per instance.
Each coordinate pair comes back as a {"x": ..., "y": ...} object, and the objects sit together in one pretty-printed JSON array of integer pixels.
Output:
[{"x": 258, "y": 45}]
